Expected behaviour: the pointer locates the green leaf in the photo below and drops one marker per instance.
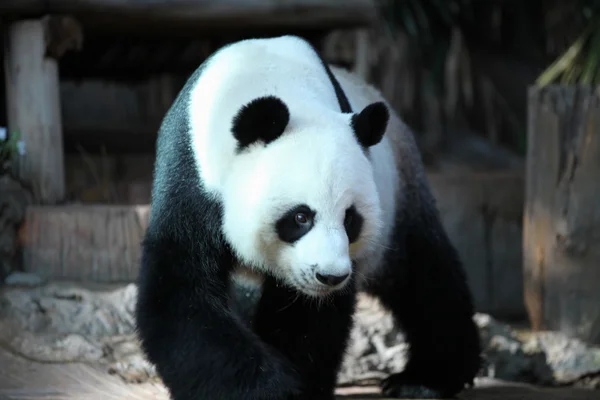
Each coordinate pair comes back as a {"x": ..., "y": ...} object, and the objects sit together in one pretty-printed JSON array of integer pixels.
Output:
[
  {"x": 592, "y": 61},
  {"x": 562, "y": 64}
]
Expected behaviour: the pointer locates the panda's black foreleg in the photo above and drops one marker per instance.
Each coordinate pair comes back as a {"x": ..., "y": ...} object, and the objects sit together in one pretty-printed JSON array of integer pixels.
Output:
[
  {"x": 311, "y": 333},
  {"x": 201, "y": 350},
  {"x": 424, "y": 286}
]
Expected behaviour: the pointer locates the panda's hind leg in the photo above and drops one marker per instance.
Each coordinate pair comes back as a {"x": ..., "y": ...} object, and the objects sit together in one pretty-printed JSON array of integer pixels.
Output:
[{"x": 423, "y": 284}]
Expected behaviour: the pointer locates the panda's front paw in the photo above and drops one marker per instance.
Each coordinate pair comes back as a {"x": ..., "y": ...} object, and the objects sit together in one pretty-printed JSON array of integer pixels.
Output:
[{"x": 399, "y": 386}]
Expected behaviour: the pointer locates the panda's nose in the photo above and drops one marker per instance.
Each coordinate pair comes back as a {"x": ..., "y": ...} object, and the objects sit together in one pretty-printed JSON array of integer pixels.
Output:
[{"x": 331, "y": 280}]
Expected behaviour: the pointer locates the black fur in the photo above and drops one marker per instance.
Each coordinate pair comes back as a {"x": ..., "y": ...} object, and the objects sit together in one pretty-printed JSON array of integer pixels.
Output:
[
  {"x": 424, "y": 286},
  {"x": 263, "y": 119},
  {"x": 370, "y": 124},
  {"x": 353, "y": 223},
  {"x": 200, "y": 348},
  {"x": 312, "y": 334}
]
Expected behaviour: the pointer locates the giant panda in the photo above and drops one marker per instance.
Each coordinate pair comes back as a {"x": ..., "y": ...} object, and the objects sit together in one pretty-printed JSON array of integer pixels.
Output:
[{"x": 277, "y": 171}]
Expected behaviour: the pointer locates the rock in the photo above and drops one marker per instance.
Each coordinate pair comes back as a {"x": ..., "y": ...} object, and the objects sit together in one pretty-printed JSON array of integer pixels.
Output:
[
  {"x": 506, "y": 357},
  {"x": 23, "y": 279},
  {"x": 67, "y": 323},
  {"x": 60, "y": 322},
  {"x": 126, "y": 359},
  {"x": 376, "y": 346},
  {"x": 569, "y": 359},
  {"x": 56, "y": 348},
  {"x": 60, "y": 308},
  {"x": 542, "y": 358}
]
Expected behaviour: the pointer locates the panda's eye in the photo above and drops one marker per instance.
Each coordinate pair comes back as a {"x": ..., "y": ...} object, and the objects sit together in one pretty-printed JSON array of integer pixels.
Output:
[
  {"x": 348, "y": 219},
  {"x": 301, "y": 218},
  {"x": 353, "y": 223},
  {"x": 295, "y": 223}
]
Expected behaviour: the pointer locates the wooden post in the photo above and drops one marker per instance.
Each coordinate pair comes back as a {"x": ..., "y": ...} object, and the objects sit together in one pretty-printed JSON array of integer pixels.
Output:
[
  {"x": 561, "y": 237},
  {"x": 33, "y": 109}
]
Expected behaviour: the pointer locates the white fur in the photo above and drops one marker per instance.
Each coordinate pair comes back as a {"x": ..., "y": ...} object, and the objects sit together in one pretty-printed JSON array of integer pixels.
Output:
[
  {"x": 317, "y": 162},
  {"x": 285, "y": 66},
  {"x": 329, "y": 173}
]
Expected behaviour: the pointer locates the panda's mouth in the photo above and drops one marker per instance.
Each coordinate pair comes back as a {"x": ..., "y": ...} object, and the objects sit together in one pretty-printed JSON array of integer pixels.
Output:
[
  {"x": 315, "y": 292},
  {"x": 318, "y": 290}
]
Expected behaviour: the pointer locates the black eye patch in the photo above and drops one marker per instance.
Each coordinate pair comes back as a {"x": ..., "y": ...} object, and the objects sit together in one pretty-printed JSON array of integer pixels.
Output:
[
  {"x": 353, "y": 223},
  {"x": 295, "y": 223}
]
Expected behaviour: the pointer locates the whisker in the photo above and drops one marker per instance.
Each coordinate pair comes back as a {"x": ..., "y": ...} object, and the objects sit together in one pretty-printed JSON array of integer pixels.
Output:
[
  {"x": 362, "y": 276},
  {"x": 290, "y": 303},
  {"x": 381, "y": 245}
]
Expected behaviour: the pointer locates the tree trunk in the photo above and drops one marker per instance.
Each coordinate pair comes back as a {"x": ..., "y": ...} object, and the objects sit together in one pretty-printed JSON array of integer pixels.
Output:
[
  {"x": 562, "y": 211},
  {"x": 33, "y": 109}
]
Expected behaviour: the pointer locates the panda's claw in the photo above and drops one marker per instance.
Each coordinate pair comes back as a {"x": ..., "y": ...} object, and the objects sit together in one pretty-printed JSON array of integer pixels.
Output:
[{"x": 397, "y": 386}]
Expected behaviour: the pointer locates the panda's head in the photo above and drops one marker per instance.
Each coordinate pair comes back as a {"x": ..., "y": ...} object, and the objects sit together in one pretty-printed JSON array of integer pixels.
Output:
[{"x": 300, "y": 200}]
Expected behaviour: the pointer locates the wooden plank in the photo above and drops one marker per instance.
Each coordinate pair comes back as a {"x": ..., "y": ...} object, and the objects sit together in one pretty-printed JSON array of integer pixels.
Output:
[
  {"x": 27, "y": 380},
  {"x": 33, "y": 109},
  {"x": 22, "y": 379},
  {"x": 203, "y": 13},
  {"x": 98, "y": 243},
  {"x": 562, "y": 215}
]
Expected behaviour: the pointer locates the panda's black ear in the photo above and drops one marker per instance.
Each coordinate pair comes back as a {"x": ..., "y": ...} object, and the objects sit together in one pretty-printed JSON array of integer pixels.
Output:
[
  {"x": 370, "y": 124},
  {"x": 263, "y": 119}
]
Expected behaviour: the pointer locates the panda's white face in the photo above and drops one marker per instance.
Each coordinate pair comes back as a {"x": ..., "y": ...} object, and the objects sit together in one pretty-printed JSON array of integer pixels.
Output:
[{"x": 304, "y": 208}]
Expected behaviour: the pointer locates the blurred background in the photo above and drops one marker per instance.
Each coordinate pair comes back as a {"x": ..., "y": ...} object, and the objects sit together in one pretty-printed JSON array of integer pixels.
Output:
[{"x": 501, "y": 95}]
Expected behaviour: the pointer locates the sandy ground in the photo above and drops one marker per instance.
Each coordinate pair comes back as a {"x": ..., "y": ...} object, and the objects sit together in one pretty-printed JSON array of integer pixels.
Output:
[{"x": 25, "y": 380}]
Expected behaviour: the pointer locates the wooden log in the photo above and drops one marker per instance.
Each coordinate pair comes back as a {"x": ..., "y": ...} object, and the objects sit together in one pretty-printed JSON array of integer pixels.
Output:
[
  {"x": 207, "y": 14},
  {"x": 95, "y": 243},
  {"x": 561, "y": 232},
  {"x": 33, "y": 109},
  {"x": 482, "y": 213}
]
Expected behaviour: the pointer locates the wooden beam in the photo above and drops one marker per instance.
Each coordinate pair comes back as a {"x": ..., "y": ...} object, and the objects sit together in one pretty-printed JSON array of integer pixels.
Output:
[
  {"x": 561, "y": 230},
  {"x": 94, "y": 243},
  {"x": 204, "y": 13},
  {"x": 33, "y": 109}
]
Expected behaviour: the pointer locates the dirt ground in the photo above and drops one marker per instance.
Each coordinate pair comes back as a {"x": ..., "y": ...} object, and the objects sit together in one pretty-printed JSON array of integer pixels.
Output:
[{"x": 25, "y": 380}]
